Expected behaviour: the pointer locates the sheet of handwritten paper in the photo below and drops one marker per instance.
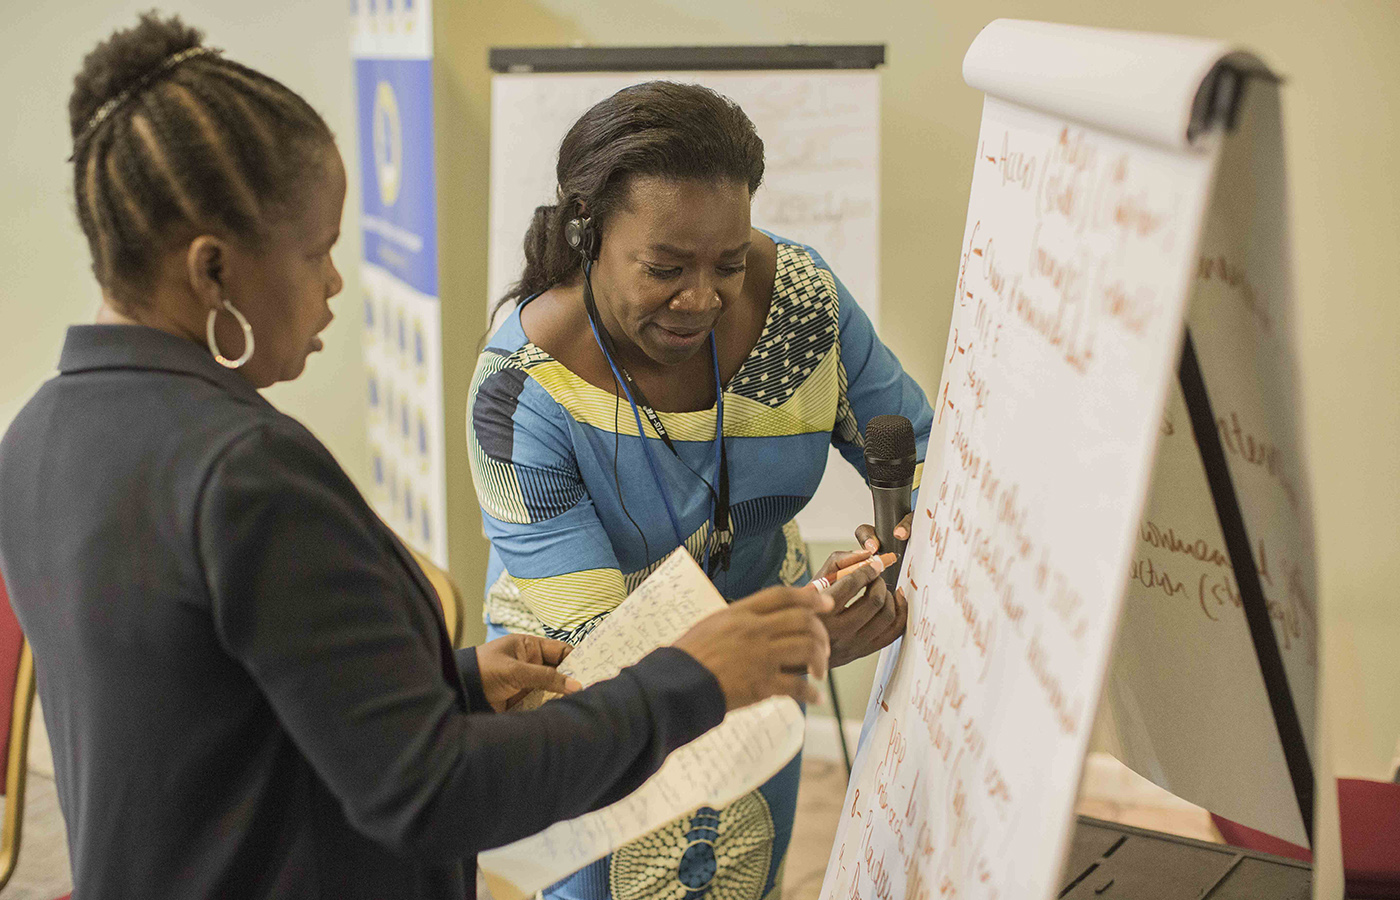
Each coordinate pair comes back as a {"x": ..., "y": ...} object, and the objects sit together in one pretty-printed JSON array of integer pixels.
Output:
[
  {"x": 1205, "y": 730},
  {"x": 738, "y": 755},
  {"x": 1071, "y": 294}
]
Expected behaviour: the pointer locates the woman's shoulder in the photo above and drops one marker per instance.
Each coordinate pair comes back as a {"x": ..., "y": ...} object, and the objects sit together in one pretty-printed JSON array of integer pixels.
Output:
[
  {"x": 507, "y": 336},
  {"x": 790, "y": 358},
  {"x": 540, "y": 358},
  {"x": 803, "y": 285},
  {"x": 513, "y": 373},
  {"x": 789, "y": 250},
  {"x": 537, "y": 330},
  {"x": 508, "y": 348},
  {"x": 193, "y": 426},
  {"x": 262, "y": 439}
]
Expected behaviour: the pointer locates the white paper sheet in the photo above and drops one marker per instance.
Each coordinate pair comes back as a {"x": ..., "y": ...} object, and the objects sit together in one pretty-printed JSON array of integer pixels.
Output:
[
  {"x": 1087, "y": 237},
  {"x": 1069, "y": 306},
  {"x": 1185, "y": 696},
  {"x": 1136, "y": 85},
  {"x": 743, "y": 752}
]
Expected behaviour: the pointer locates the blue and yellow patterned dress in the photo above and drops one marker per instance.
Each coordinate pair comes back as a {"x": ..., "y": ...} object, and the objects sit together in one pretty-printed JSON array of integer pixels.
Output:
[{"x": 563, "y": 553}]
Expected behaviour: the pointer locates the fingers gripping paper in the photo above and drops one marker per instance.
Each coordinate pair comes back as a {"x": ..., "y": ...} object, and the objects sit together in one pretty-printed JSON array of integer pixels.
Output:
[
  {"x": 726, "y": 762},
  {"x": 1093, "y": 174}
]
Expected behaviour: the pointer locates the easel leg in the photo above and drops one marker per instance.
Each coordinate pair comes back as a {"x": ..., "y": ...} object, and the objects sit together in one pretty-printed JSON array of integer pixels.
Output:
[
  {"x": 1256, "y": 611},
  {"x": 840, "y": 722}
]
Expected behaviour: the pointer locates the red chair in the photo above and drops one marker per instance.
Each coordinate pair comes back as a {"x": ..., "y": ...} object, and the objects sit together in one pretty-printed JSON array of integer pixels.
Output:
[
  {"x": 16, "y": 704},
  {"x": 1370, "y": 824}
]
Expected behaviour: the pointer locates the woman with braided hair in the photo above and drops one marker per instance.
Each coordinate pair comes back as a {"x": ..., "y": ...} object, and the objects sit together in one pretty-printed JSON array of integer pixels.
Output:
[{"x": 245, "y": 676}]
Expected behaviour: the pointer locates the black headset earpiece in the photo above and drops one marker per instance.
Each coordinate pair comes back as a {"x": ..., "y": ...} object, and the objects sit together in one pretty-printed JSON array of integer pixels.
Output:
[{"x": 582, "y": 236}]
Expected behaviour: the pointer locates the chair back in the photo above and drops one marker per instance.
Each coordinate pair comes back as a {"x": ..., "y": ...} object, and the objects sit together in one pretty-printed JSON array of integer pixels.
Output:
[
  {"x": 16, "y": 705},
  {"x": 448, "y": 596},
  {"x": 1369, "y": 816},
  {"x": 1370, "y": 821}
]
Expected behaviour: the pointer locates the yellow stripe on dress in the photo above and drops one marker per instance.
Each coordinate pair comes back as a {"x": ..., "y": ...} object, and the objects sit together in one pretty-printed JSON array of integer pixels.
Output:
[
  {"x": 812, "y": 408},
  {"x": 596, "y": 407},
  {"x": 505, "y": 607},
  {"x": 509, "y": 605},
  {"x": 566, "y": 601}
]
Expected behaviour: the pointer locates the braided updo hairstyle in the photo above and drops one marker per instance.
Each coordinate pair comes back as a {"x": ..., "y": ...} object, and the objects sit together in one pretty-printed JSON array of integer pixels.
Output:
[
  {"x": 184, "y": 145},
  {"x": 658, "y": 128}
]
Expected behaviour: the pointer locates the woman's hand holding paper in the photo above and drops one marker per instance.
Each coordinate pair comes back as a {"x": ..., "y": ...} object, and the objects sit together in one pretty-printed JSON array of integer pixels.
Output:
[{"x": 517, "y": 664}]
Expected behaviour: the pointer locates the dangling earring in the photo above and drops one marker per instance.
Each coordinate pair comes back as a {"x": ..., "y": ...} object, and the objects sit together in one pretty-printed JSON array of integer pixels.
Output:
[{"x": 214, "y": 344}]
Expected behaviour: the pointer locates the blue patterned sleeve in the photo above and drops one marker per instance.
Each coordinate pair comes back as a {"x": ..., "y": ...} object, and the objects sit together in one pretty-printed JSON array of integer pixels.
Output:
[
  {"x": 872, "y": 384},
  {"x": 535, "y": 508}
]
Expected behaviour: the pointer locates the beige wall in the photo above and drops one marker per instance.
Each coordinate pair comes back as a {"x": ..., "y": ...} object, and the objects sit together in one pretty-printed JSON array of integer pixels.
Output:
[
  {"x": 1343, "y": 116},
  {"x": 1342, "y": 107},
  {"x": 45, "y": 282}
]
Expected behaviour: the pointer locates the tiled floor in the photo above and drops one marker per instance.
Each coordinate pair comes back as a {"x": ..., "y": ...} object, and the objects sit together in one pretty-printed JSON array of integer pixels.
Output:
[
  {"x": 1110, "y": 793},
  {"x": 819, "y": 800},
  {"x": 42, "y": 873}
]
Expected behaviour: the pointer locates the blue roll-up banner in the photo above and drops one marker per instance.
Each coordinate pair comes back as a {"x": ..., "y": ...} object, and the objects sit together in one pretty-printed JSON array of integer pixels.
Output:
[
  {"x": 392, "y": 45},
  {"x": 399, "y": 216}
]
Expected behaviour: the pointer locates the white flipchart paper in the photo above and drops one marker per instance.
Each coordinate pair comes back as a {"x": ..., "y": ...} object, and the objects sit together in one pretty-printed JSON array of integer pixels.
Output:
[
  {"x": 1080, "y": 255},
  {"x": 1185, "y": 698}
]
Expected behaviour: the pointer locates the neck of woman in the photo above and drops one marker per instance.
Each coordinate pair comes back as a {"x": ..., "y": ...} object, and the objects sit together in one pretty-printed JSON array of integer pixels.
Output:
[{"x": 110, "y": 313}]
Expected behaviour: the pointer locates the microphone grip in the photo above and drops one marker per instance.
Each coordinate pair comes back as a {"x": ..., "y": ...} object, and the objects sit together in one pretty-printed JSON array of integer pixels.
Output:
[{"x": 892, "y": 504}]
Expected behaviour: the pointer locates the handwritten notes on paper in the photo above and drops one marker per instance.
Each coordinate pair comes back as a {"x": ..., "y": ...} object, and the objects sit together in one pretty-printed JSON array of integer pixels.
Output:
[
  {"x": 738, "y": 755},
  {"x": 1071, "y": 292},
  {"x": 1205, "y": 730}
]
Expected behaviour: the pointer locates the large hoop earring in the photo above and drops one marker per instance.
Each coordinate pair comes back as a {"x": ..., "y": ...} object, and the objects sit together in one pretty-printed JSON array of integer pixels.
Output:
[{"x": 214, "y": 344}]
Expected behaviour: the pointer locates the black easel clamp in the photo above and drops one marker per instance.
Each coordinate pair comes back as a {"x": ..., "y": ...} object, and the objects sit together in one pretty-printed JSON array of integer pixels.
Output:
[{"x": 1217, "y": 102}]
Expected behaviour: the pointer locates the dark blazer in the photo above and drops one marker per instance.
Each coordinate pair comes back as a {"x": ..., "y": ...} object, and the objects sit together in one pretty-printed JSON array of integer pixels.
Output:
[{"x": 245, "y": 676}]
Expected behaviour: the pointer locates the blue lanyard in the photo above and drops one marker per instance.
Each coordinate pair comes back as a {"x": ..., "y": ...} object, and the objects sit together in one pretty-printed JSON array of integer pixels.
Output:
[{"x": 646, "y": 444}]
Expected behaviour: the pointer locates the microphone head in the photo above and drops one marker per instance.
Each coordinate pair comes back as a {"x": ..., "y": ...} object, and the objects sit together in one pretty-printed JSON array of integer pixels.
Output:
[{"x": 889, "y": 451}]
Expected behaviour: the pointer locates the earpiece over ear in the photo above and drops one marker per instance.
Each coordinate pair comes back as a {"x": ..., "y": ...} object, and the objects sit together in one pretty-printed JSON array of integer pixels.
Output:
[{"x": 582, "y": 237}]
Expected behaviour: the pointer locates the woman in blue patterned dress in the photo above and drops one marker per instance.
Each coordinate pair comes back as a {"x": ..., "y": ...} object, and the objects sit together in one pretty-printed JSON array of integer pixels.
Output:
[{"x": 672, "y": 376}]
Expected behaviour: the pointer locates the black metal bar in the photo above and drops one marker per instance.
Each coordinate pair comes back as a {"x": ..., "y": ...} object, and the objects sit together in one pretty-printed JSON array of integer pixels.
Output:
[
  {"x": 1256, "y": 611},
  {"x": 686, "y": 59},
  {"x": 1217, "y": 101},
  {"x": 840, "y": 720}
]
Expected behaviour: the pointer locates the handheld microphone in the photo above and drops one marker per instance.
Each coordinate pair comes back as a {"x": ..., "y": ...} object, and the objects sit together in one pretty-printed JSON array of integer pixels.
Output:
[{"x": 889, "y": 467}]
